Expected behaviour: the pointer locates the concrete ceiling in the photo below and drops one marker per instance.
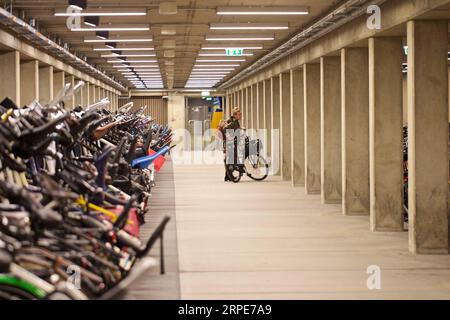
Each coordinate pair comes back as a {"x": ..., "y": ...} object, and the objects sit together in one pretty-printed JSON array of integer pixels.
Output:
[{"x": 191, "y": 24}]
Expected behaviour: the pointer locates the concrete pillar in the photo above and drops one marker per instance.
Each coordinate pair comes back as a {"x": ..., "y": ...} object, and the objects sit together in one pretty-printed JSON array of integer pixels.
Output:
[
  {"x": 355, "y": 131},
  {"x": 428, "y": 136},
  {"x": 45, "y": 84},
  {"x": 275, "y": 125},
  {"x": 91, "y": 93},
  {"x": 311, "y": 82},
  {"x": 248, "y": 116},
  {"x": 260, "y": 105},
  {"x": 70, "y": 104},
  {"x": 58, "y": 82},
  {"x": 285, "y": 125},
  {"x": 86, "y": 95},
  {"x": 385, "y": 134},
  {"x": 243, "y": 106},
  {"x": 10, "y": 84},
  {"x": 330, "y": 133},
  {"x": 267, "y": 88},
  {"x": 78, "y": 98},
  {"x": 98, "y": 93},
  {"x": 297, "y": 128},
  {"x": 254, "y": 107},
  {"x": 29, "y": 82}
]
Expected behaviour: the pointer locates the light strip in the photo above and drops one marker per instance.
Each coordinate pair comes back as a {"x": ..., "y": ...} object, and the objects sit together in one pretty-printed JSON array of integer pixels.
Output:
[
  {"x": 100, "y": 12},
  {"x": 220, "y": 60},
  {"x": 117, "y": 28},
  {"x": 209, "y": 72},
  {"x": 134, "y": 66},
  {"x": 211, "y": 69},
  {"x": 262, "y": 10},
  {"x": 124, "y": 49},
  {"x": 128, "y": 55},
  {"x": 214, "y": 65},
  {"x": 237, "y": 46},
  {"x": 222, "y": 55},
  {"x": 117, "y": 40},
  {"x": 249, "y": 26},
  {"x": 131, "y": 61},
  {"x": 239, "y": 37}
]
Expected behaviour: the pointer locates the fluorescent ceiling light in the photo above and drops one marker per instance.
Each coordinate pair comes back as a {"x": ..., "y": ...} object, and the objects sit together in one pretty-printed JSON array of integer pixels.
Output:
[
  {"x": 220, "y": 60},
  {"x": 209, "y": 72},
  {"x": 254, "y": 37},
  {"x": 216, "y": 65},
  {"x": 102, "y": 12},
  {"x": 116, "y": 55},
  {"x": 131, "y": 27},
  {"x": 101, "y": 38},
  {"x": 237, "y": 46},
  {"x": 249, "y": 26},
  {"x": 262, "y": 10},
  {"x": 140, "y": 73},
  {"x": 134, "y": 66},
  {"x": 223, "y": 54},
  {"x": 131, "y": 61},
  {"x": 211, "y": 69},
  {"x": 124, "y": 49}
]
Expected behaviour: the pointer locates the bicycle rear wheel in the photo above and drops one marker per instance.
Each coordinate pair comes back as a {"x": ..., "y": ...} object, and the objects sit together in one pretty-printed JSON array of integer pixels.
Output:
[{"x": 256, "y": 167}]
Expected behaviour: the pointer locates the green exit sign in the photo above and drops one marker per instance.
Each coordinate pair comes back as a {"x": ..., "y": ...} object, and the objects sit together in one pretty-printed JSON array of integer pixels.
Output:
[{"x": 235, "y": 52}]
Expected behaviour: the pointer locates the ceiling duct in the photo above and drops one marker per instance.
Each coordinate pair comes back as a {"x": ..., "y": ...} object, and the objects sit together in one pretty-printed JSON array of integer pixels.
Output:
[
  {"x": 38, "y": 40},
  {"x": 332, "y": 21}
]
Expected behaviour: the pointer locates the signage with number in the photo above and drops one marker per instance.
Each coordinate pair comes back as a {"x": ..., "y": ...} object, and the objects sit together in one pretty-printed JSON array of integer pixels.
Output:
[{"x": 235, "y": 51}]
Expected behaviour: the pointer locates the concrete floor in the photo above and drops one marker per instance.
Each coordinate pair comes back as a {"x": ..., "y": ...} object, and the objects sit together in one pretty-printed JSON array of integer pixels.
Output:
[{"x": 267, "y": 240}]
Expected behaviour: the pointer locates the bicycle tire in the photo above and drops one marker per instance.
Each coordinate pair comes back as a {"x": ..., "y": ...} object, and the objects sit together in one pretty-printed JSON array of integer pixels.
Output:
[
  {"x": 230, "y": 173},
  {"x": 265, "y": 166},
  {"x": 15, "y": 293}
]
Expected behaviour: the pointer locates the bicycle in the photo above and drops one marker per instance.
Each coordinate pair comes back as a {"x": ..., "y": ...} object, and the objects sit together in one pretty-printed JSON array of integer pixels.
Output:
[{"x": 254, "y": 165}]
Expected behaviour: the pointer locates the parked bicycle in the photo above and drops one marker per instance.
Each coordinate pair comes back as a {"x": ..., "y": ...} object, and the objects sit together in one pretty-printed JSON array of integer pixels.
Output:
[
  {"x": 247, "y": 161},
  {"x": 74, "y": 190}
]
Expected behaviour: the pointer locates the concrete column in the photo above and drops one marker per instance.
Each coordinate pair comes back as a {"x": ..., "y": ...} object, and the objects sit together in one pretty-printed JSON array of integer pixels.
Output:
[
  {"x": 243, "y": 106},
  {"x": 58, "y": 82},
  {"x": 70, "y": 104},
  {"x": 330, "y": 125},
  {"x": 297, "y": 128},
  {"x": 10, "y": 84},
  {"x": 254, "y": 106},
  {"x": 275, "y": 125},
  {"x": 355, "y": 131},
  {"x": 29, "y": 82},
  {"x": 91, "y": 94},
  {"x": 385, "y": 134},
  {"x": 285, "y": 125},
  {"x": 78, "y": 99},
  {"x": 45, "y": 84},
  {"x": 311, "y": 82},
  {"x": 98, "y": 94},
  {"x": 248, "y": 116},
  {"x": 86, "y": 95},
  {"x": 428, "y": 136},
  {"x": 260, "y": 105},
  {"x": 267, "y": 88}
]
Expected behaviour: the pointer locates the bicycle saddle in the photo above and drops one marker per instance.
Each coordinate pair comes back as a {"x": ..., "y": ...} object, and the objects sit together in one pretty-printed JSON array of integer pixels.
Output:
[{"x": 144, "y": 162}]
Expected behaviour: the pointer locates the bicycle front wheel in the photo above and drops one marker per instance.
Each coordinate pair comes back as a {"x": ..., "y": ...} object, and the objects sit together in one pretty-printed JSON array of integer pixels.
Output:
[{"x": 256, "y": 167}]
